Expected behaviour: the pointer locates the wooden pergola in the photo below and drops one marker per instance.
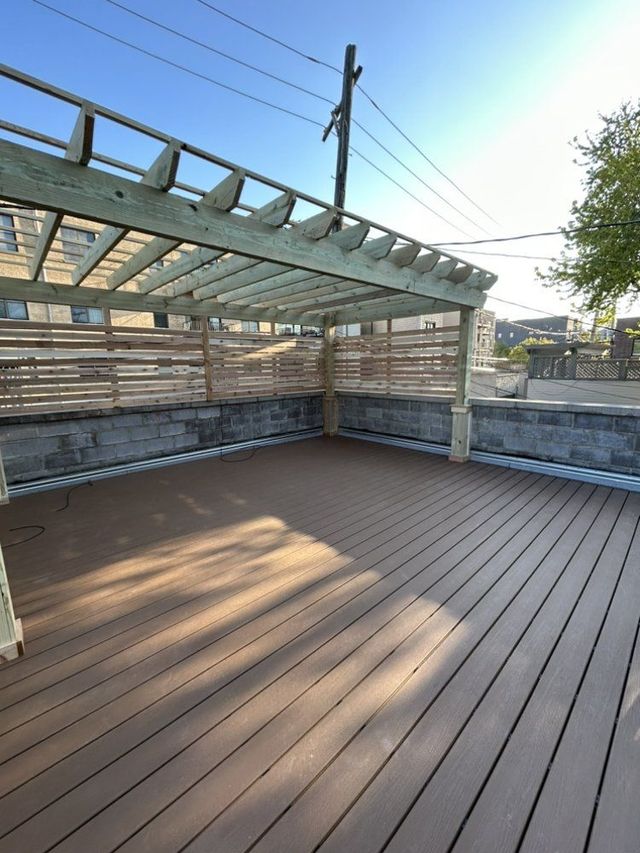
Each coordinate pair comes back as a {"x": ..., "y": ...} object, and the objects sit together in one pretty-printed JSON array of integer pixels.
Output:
[{"x": 211, "y": 252}]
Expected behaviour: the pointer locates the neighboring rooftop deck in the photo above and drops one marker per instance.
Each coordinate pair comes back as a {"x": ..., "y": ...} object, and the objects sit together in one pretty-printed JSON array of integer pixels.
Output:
[{"x": 336, "y": 646}]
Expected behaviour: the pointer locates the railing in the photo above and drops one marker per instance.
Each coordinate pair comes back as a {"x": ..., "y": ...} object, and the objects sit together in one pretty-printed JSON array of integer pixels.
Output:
[
  {"x": 52, "y": 367},
  {"x": 566, "y": 367},
  {"x": 419, "y": 362}
]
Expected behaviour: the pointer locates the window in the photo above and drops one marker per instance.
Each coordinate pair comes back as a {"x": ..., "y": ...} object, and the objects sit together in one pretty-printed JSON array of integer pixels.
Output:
[
  {"x": 80, "y": 314},
  {"x": 511, "y": 334},
  {"x": 75, "y": 242},
  {"x": 216, "y": 325},
  {"x": 635, "y": 349},
  {"x": 8, "y": 240},
  {"x": 160, "y": 321},
  {"x": 13, "y": 309},
  {"x": 430, "y": 324},
  {"x": 499, "y": 335},
  {"x": 250, "y": 326}
]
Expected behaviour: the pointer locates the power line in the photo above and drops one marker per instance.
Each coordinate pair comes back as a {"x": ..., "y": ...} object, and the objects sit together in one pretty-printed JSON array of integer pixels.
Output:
[
  {"x": 405, "y": 190},
  {"x": 509, "y": 255},
  {"x": 212, "y": 49},
  {"x": 271, "y": 38},
  {"x": 415, "y": 175},
  {"x": 208, "y": 79},
  {"x": 366, "y": 95},
  {"x": 177, "y": 65},
  {"x": 546, "y": 314},
  {"x": 295, "y": 86},
  {"x": 560, "y": 232},
  {"x": 425, "y": 156}
]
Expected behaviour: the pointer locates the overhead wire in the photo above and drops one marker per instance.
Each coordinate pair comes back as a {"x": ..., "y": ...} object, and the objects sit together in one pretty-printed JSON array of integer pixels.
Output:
[
  {"x": 371, "y": 100},
  {"x": 177, "y": 65},
  {"x": 559, "y": 232},
  {"x": 215, "y": 50},
  {"x": 262, "y": 101}
]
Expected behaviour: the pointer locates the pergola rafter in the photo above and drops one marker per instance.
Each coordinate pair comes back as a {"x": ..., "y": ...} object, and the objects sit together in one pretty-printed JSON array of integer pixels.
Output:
[{"x": 198, "y": 249}]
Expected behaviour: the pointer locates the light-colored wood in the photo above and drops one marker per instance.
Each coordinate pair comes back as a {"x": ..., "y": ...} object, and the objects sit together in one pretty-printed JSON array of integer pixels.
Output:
[
  {"x": 64, "y": 294},
  {"x": 11, "y": 639},
  {"x": 160, "y": 176},
  {"x": 32, "y": 177},
  {"x": 58, "y": 367},
  {"x": 79, "y": 151},
  {"x": 329, "y": 402},
  {"x": 461, "y": 410}
]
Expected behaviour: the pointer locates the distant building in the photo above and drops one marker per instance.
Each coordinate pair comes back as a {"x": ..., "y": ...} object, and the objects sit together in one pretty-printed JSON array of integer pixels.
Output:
[
  {"x": 626, "y": 346},
  {"x": 511, "y": 333},
  {"x": 484, "y": 336}
]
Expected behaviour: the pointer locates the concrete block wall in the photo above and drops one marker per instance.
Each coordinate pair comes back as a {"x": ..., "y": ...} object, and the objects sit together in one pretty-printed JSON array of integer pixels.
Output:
[
  {"x": 583, "y": 435},
  {"x": 408, "y": 417},
  {"x": 46, "y": 445}
]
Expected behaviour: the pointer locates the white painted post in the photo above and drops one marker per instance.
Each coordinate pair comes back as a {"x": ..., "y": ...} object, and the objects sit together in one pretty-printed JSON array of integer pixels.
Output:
[
  {"x": 461, "y": 409},
  {"x": 329, "y": 401},
  {"x": 11, "y": 642}
]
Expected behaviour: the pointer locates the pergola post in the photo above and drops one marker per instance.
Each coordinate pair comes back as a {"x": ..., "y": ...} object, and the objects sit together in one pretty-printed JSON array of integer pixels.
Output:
[
  {"x": 329, "y": 401},
  {"x": 461, "y": 409},
  {"x": 11, "y": 641}
]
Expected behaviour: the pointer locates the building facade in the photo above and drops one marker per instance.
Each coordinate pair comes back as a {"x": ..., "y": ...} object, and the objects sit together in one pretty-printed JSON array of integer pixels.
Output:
[{"x": 514, "y": 332}]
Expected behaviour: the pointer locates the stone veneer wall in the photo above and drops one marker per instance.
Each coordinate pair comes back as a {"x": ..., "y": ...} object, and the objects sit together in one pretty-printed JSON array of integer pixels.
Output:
[
  {"x": 37, "y": 446},
  {"x": 579, "y": 434}
]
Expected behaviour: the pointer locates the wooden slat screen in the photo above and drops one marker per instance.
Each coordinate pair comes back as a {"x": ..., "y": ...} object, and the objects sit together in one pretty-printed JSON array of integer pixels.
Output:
[
  {"x": 51, "y": 367},
  {"x": 415, "y": 362}
]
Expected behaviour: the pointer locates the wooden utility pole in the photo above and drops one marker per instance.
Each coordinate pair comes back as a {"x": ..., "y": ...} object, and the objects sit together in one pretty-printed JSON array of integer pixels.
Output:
[{"x": 341, "y": 120}]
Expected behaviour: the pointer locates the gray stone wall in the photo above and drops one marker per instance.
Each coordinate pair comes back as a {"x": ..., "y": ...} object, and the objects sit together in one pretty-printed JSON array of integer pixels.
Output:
[
  {"x": 585, "y": 435},
  {"x": 578, "y": 434},
  {"x": 38, "y": 446},
  {"x": 419, "y": 418}
]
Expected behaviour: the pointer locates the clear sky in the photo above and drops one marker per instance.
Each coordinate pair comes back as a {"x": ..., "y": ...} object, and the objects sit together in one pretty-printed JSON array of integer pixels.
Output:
[{"x": 492, "y": 91}]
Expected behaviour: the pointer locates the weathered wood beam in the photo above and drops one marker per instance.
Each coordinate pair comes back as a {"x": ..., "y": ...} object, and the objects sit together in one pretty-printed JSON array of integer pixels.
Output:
[
  {"x": 388, "y": 311},
  {"x": 275, "y": 213},
  {"x": 295, "y": 282},
  {"x": 161, "y": 175},
  {"x": 243, "y": 270},
  {"x": 123, "y": 300},
  {"x": 330, "y": 290},
  {"x": 348, "y": 239},
  {"x": 224, "y": 196},
  {"x": 50, "y": 183},
  {"x": 79, "y": 151}
]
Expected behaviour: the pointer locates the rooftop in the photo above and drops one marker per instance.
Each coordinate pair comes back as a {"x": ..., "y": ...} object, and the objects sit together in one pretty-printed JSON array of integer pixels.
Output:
[{"x": 354, "y": 646}]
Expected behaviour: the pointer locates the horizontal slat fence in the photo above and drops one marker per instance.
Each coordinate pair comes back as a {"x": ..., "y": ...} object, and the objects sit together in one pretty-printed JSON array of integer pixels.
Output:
[
  {"x": 52, "y": 367},
  {"x": 413, "y": 362}
]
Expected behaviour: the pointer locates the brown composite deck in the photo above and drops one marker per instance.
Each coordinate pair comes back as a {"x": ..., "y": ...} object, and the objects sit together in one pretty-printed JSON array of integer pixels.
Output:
[{"x": 334, "y": 645}]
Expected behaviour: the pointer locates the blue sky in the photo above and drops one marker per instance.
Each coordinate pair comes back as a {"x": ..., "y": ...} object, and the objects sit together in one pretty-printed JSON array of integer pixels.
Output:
[{"x": 492, "y": 91}]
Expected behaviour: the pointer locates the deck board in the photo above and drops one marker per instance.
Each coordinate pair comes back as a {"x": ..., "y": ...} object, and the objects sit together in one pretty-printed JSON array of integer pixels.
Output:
[{"x": 349, "y": 645}]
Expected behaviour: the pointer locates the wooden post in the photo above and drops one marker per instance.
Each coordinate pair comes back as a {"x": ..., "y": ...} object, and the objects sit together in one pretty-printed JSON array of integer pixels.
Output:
[
  {"x": 11, "y": 639},
  {"x": 461, "y": 409},
  {"x": 206, "y": 357},
  {"x": 329, "y": 402}
]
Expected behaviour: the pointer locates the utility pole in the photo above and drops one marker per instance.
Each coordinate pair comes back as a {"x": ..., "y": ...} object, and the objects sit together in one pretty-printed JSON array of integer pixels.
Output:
[{"x": 341, "y": 120}]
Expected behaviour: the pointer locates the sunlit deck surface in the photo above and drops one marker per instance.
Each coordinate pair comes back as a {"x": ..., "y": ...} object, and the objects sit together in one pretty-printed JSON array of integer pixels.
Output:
[{"x": 332, "y": 645}]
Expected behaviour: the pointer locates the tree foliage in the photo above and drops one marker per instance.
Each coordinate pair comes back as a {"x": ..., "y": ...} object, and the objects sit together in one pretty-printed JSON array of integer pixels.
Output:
[
  {"x": 519, "y": 355},
  {"x": 600, "y": 268}
]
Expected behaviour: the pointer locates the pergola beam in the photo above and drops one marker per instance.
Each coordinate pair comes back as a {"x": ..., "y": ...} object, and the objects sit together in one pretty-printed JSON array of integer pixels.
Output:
[
  {"x": 79, "y": 151},
  {"x": 224, "y": 196},
  {"x": 95, "y": 297},
  {"x": 161, "y": 175},
  {"x": 45, "y": 181}
]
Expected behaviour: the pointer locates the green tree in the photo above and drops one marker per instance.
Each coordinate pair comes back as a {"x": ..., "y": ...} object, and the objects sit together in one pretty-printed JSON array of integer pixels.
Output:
[
  {"x": 519, "y": 355},
  {"x": 600, "y": 267}
]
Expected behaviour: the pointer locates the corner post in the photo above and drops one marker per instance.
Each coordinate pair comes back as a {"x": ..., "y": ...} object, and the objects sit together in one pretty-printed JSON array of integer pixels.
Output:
[
  {"x": 461, "y": 409},
  {"x": 206, "y": 358},
  {"x": 329, "y": 402},
  {"x": 11, "y": 639}
]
